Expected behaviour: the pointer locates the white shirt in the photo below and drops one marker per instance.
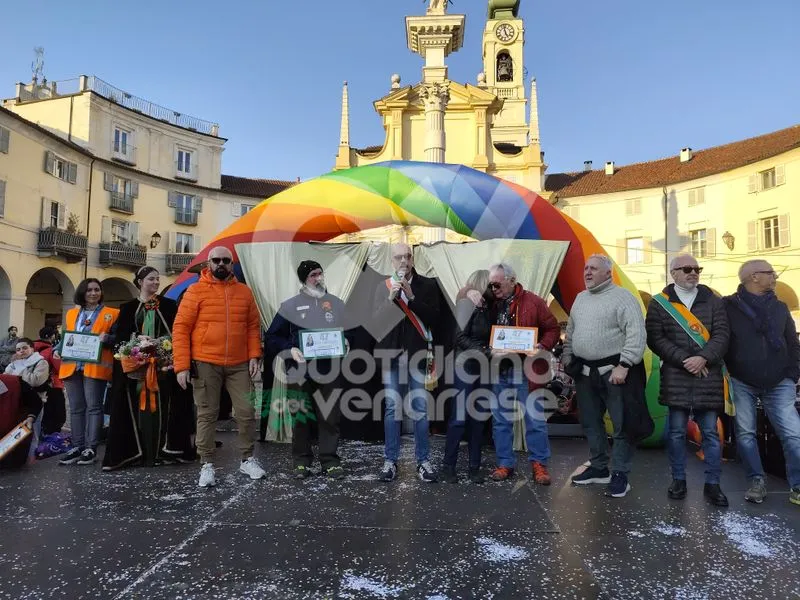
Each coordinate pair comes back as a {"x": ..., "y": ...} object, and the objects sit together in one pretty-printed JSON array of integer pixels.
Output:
[
  {"x": 403, "y": 294},
  {"x": 686, "y": 296}
]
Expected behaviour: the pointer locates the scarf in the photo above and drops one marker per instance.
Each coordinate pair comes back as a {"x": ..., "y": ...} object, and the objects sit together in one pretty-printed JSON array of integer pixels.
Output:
[
  {"x": 759, "y": 309},
  {"x": 148, "y": 388},
  {"x": 17, "y": 367},
  {"x": 507, "y": 315}
]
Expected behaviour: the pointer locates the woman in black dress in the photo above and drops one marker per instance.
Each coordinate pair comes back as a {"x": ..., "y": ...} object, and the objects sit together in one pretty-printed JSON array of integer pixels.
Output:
[{"x": 158, "y": 433}]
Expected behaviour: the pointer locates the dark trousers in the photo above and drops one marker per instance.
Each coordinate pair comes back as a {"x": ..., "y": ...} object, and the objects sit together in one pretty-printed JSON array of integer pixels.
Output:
[
  {"x": 55, "y": 411},
  {"x": 326, "y": 417},
  {"x": 463, "y": 418}
]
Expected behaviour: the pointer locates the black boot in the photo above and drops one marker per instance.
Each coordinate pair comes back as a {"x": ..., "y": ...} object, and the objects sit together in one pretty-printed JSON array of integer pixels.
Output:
[
  {"x": 677, "y": 491},
  {"x": 448, "y": 474},
  {"x": 475, "y": 476},
  {"x": 714, "y": 495}
]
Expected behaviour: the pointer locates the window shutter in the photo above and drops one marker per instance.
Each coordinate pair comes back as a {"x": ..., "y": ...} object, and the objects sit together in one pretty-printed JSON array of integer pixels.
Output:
[
  {"x": 197, "y": 244},
  {"x": 783, "y": 230},
  {"x": 647, "y": 244},
  {"x": 134, "y": 189},
  {"x": 108, "y": 182},
  {"x": 752, "y": 236},
  {"x": 236, "y": 209},
  {"x": 133, "y": 233},
  {"x": 711, "y": 242},
  {"x": 198, "y": 204},
  {"x": 62, "y": 215},
  {"x": 170, "y": 242},
  {"x": 105, "y": 230},
  {"x": 49, "y": 162},
  {"x": 172, "y": 199},
  {"x": 72, "y": 172},
  {"x": 2, "y": 199},
  {"x": 622, "y": 251},
  {"x": 780, "y": 175},
  {"x": 5, "y": 136},
  {"x": 692, "y": 197},
  {"x": 45, "y": 213},
  {"x": 701, "y": 196},
  {"x": 752, "y": 183}
]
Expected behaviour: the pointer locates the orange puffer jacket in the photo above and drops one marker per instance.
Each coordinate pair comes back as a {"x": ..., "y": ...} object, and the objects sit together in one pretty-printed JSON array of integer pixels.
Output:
[{"x": 217, "y": 323}]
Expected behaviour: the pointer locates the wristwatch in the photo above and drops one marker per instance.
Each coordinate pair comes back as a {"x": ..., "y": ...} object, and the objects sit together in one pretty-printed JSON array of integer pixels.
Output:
[{"x": 625, "y": 364}]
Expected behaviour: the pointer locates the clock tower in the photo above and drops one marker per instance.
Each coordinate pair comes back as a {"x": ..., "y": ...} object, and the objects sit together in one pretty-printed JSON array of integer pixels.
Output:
[{"x": 504, "y": 70}]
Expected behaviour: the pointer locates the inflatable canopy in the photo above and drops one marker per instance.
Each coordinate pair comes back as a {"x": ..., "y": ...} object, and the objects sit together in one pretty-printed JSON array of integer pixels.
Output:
[{"x": 456, "y": 197}]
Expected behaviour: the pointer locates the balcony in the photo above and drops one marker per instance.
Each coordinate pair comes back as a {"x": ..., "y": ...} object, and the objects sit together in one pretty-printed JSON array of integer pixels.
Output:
[
  {"x": 115, "y": 253},
  {"x": 177, "y": 262},
  {"x": 123, "y": 153},
  {"x": 57, "y": 242},
  {"x": 121, "y": 202},
  {"x": 186, "y": 217}
]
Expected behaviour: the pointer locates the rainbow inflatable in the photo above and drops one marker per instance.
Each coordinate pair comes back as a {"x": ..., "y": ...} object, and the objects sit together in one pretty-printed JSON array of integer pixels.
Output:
[{"x": 459, "y": 198}]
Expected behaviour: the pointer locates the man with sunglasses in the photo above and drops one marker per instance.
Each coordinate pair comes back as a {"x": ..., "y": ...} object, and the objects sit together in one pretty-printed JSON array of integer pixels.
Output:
[
  {"x": 764, "y": 362},
  {"x": 218, "y": 332},
  {"x": 687, "y": 327}
]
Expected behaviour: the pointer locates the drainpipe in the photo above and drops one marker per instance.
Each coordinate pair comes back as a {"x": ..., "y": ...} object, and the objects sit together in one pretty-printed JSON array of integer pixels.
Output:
[
  {"x": 666, "y": 235},
  {"x": 69, "y": 131},
  {"x": 88, "y": 219}
]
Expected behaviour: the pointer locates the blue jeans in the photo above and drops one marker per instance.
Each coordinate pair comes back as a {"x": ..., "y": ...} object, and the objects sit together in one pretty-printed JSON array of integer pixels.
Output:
[
  {"x": 85, "y": 396},
  {"x": 462, "y": 417},
  {"x": 779, "y": 405},
  {"x": 676, "y": 445},
  {"x": 401, "y": 389},
  {"x": 507, "y": 393}
]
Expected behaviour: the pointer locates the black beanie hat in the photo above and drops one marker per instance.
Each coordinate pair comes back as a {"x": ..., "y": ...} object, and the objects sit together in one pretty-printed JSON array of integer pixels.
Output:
[{"x": 305, "y": 268}]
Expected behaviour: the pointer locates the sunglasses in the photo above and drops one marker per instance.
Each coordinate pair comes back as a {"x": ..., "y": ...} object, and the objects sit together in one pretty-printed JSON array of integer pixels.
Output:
[
  {"x": 773, "y": 273},
  {"x": 688, "y": 270},
  {"x": 224, "y": 261},
  {"x": 495, "y": 286}
]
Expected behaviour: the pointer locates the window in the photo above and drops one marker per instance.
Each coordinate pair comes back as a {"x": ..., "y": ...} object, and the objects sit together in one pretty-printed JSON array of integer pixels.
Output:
[
  {"x": 183, "y": 243},
  {"x": 697, "y": 196},
  {"x": 770, "y": 233},
  {"x": 634, "y": 251},
  {"x": 2, "y": 198},
  {"x": 766, "y": 180},
  {"x": 186, "y": 207},
  {"x": 122, "y": 146},
  {"x": 633, "y": 207},
  {"x": 59, "y": 167},
  {"x": 698, "y": 243},
  {"x": 185, "y": 163},
  {"x": 54, "y": 214},
  {"x": 246, "y": 208},
  {"x": 5, "y": 137},
  {"x": 119, "y": 232}
]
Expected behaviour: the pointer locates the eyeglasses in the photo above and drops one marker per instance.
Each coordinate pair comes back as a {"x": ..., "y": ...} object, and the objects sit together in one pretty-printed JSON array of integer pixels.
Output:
[
  {"x": 224, "y": 261},
  {"x": 688, "y": 270},
  {"x": 495, "y": 286},
  {"x": 402, "y": 256},
  {"x": 773, "y": 273}
]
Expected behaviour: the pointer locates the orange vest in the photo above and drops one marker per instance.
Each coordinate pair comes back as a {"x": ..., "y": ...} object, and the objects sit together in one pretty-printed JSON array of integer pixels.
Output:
[{"x": 102, "y": 324}]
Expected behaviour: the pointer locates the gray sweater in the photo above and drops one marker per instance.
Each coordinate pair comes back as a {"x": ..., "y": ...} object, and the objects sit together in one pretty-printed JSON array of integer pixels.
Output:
[{"x": 603, "y": 322}]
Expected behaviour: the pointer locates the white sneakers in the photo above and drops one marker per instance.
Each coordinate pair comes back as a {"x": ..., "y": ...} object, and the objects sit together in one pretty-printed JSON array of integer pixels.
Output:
[{"x": 251, "y": 468}]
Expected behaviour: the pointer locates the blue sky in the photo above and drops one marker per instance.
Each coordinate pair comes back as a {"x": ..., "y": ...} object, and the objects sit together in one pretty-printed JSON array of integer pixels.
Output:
[{"x": 622, "y": 80}]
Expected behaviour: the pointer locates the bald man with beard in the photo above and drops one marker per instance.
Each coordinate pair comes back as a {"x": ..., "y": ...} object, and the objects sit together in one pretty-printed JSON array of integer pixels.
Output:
[{"x": 764, "y": 362}]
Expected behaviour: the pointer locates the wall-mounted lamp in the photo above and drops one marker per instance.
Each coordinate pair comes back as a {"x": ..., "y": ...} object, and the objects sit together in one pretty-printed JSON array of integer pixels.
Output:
[
  {"x": 729, "y": 240},
  {"x": 155, "y": 240}
]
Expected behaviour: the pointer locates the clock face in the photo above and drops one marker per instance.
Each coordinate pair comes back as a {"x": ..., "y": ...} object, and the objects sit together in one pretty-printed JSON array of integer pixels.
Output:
[{"x": 505, "y": 32}]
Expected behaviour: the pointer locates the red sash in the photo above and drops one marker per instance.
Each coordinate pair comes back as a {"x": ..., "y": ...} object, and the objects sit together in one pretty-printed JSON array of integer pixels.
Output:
[{"x": 430, "y": 375}]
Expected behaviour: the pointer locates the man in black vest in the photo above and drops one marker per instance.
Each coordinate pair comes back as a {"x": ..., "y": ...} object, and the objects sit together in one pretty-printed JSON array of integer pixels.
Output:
[
  {"x": 312, "y": 308},
  {"x": 404, "y": 308}
]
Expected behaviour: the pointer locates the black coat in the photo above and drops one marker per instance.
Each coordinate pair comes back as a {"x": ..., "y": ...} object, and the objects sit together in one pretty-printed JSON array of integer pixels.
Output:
[
  {"x": 390, "y": 326},
  {"x": 672, "y": 344},
  {"x": 750, "y": 357},
  {"x": 474, "y": 337},
  {"x": 124, "y": 445}
]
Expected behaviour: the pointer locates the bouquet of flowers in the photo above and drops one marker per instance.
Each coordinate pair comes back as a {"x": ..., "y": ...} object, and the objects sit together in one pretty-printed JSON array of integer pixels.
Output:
[{"x": 137, "y": 353}]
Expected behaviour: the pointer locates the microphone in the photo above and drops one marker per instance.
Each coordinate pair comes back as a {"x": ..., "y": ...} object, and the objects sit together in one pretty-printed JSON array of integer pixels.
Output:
[{"x": 401, "y": 274}]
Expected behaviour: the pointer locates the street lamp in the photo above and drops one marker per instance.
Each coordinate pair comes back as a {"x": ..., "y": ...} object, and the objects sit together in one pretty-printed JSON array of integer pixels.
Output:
[
  {"x": 729, "y": 240},
  {"x": 155, "y": 239}
]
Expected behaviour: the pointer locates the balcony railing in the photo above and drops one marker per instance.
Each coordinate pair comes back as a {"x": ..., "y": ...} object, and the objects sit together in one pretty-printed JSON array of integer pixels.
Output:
[
  {"x": 121, "y": 202},
  {"x": 58, "y": 242},
  {"x": 124, "y": 153},
  {"x": 115, "y": 253},
  {"x": 177, "y": 262},
  {"x": 186, "y": 217}
]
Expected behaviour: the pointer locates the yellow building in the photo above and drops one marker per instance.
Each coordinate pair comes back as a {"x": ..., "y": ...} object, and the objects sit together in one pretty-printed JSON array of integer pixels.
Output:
[
  {"x": 725, "y": 205},
  {"x": 95, "y": 182}
]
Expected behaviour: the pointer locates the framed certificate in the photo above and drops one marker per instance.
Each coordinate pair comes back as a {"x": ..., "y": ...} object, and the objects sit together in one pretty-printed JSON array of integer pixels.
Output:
[
  {"x": 13, "y": 438},
  {"x": 81, "y": 347},
  {"x": 322, "y": 343},
  {"x": 514, "y": 339}
]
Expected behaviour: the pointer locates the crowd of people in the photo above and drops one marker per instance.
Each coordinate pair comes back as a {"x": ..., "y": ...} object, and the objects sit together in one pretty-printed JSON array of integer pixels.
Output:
[{"x": 717, "y": 355}]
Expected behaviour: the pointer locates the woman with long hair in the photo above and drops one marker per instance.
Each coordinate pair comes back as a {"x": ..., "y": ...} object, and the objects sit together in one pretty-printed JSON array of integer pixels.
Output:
[
  {"x": 142, "y": 431},
  {"x": 85, "y": 382},
  {"x": 473, "y": 316}
]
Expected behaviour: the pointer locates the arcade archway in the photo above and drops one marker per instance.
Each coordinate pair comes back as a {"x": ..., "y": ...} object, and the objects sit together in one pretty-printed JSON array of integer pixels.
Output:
[{"x": 49, "y": 293}]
